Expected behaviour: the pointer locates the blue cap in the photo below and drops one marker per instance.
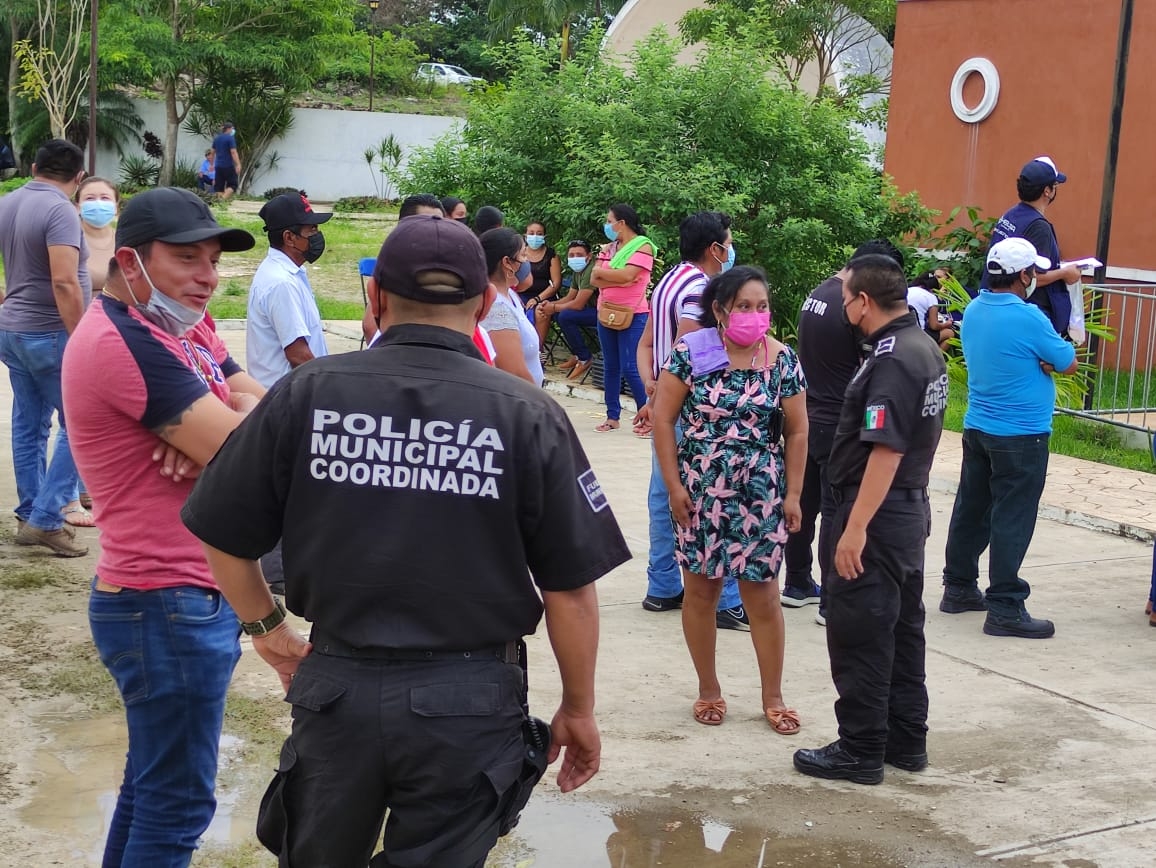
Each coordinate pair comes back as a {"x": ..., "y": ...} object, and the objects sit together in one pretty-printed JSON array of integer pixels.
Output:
[{"x": 1042, "y": 171}]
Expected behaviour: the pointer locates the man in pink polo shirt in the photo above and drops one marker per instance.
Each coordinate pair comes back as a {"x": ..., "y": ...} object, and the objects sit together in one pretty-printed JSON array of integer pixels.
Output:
[{"x": 145, "y": 369}]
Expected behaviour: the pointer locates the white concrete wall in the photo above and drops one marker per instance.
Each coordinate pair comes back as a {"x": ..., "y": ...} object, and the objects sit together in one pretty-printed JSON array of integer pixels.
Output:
[{"x": 322, "y": 154}]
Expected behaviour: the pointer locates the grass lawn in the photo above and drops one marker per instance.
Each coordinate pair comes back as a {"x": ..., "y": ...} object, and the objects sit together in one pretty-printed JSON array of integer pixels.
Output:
[
  {"x": 1077, "y": 438},
  {"x": 334, "y": 276}
]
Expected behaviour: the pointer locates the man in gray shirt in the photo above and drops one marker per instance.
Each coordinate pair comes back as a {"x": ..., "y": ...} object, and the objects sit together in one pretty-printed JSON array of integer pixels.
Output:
[{"x": 48, "y": 289}]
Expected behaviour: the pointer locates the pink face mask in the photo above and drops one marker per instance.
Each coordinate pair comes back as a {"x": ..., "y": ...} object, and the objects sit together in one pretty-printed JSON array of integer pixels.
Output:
[{"x": 747, "y": 327}]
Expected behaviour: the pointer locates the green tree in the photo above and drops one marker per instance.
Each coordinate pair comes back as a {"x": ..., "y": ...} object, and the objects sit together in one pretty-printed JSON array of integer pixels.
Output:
[
  {"x": 546, "y": 16},
  {"x": 185, "y": 46},
  {"x": 670, "y": 140},
  {"x": 793, "y": 34},
  {"x": 52, "y": 59}
]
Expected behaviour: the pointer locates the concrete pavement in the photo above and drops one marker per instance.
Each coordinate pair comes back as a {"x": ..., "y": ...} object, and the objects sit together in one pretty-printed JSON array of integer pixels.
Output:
[{"x": 1041, "y": 751}]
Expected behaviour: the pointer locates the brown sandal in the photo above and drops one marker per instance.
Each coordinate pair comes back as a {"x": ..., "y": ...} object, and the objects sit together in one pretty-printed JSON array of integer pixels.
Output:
[
  {"x": 784, "y": 721},
  {"x": 705, "y": 710}
]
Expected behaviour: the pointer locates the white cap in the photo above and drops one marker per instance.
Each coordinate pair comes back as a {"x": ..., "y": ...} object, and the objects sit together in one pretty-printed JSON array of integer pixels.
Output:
[{"x": 1013, "y": 255}]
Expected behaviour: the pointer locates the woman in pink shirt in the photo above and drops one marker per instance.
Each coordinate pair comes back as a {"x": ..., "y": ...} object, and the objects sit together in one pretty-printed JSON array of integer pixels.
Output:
[{"x": 622, "y": 274}]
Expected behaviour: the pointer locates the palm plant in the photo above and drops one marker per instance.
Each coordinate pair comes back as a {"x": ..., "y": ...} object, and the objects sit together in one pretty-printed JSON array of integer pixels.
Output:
[
  {"x": 546, "y": 16},
  {"x": 1071, "y": 389}
]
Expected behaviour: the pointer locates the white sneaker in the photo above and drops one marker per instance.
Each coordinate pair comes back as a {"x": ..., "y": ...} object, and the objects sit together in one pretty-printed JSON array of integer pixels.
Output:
[{"x": 820, "y": 618}]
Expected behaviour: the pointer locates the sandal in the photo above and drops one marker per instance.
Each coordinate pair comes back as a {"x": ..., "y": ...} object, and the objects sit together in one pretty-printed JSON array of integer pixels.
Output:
[
  {"x": 569, "y": 364},
  {"x": 608, "y": 425},
  {"x": 705, "y": 711},
  {"x": 78, "y": 516},
  {"x": 784, "y": 721},
  {"x": 579, "y": 370}
]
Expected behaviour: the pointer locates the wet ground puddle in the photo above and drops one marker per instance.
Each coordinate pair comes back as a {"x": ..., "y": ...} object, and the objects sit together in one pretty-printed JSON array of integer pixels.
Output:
[{"x": 79, "y": 767}]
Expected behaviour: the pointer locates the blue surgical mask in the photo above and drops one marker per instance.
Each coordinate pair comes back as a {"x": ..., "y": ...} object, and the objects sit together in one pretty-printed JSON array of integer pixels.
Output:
[
  {"x": 535, "y": 242},
  {"x": 730, "y": 263},
  {"x": 97, "y": 213},
  {"x": 523, "y": 272},
  {"x": 610, "y": 232},
  {"x": 165, "y": 313},
  {"x": 577, "y": 263}
]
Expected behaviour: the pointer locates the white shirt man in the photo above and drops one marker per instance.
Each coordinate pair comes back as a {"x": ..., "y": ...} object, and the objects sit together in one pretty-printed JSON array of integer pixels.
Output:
[{"x": 284, "y": 325}]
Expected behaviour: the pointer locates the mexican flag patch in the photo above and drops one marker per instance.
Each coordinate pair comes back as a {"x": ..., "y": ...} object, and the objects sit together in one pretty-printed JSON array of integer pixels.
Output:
[{"x": 875, "y": 417}]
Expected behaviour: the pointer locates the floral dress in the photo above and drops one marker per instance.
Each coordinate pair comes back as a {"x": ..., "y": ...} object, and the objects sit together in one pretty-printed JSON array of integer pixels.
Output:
[{"x": 732, "y": 470}]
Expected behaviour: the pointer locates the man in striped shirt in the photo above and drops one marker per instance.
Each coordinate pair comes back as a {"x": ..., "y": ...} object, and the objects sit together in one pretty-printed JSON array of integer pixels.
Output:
[{"x": 706, "y": 248}]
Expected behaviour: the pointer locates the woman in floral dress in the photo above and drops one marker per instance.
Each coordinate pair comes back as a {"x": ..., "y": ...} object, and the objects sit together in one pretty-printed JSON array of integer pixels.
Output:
[{"x": 740, "y": 395}]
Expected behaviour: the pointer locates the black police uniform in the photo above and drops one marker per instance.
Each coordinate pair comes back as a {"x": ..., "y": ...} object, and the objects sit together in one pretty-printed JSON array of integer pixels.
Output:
[
  {"x": 416, "y": 489},
  {"x": 875, "y": 622},
  {"x": 829, "y": 354}
]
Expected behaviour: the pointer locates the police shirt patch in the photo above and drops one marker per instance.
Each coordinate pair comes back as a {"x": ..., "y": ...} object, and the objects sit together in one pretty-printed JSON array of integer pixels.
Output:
[
  {"x": 592, "y": 491},
  {"x": 885, "y": 346},
  {"x": 875, "y": 417}
]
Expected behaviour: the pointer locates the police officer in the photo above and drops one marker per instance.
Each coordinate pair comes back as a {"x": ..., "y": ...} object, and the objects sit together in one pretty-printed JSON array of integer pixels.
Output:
[
  {"x": 422, "y": 495},
  {"x": 884, "y": 445}
]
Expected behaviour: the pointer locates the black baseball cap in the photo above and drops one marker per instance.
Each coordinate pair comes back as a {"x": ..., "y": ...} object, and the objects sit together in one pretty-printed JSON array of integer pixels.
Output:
[
  {"x": 290, "y": 209},
  {"x": 174, "y": 216},
  {"x": 423, "y": 252}
]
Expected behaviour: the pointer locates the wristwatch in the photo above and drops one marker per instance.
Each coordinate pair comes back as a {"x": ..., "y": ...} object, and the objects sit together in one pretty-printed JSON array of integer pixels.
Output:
[{"x": 266, "y": 624}]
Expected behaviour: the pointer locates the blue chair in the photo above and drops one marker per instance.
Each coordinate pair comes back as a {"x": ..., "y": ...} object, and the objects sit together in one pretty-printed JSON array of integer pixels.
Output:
[{"x": 365, "y": 267}]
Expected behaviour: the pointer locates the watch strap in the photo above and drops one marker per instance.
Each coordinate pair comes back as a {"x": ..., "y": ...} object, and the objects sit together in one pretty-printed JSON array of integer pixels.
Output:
[{"x": 266, "y": 624}]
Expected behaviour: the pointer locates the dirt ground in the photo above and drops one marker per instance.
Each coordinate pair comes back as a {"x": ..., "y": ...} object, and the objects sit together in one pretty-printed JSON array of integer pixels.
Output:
[{"x": 1041, "y": 752}]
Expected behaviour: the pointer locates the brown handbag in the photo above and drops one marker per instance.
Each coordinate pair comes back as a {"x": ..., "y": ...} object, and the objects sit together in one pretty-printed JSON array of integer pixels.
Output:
[{"x": 615, "y": 317}]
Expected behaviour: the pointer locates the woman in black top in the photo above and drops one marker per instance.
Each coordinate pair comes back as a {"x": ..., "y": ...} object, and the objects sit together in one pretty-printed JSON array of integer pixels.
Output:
[{"x": 546, "y": 271}]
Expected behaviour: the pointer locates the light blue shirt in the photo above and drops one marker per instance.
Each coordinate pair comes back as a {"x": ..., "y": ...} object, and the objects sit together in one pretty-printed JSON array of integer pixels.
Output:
[
  {"x": 281, "y": 310},
  {"x": 1004, "y": 340}
]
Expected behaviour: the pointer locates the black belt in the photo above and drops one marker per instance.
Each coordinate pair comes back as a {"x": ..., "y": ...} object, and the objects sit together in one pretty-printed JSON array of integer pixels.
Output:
[
  {"x": 850, "y": 492},
  {"x": 331, "y": 647}
]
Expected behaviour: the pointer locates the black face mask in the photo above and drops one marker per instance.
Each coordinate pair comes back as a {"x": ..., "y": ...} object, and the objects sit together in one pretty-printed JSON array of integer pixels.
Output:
[{"x": 316, "y": 246}]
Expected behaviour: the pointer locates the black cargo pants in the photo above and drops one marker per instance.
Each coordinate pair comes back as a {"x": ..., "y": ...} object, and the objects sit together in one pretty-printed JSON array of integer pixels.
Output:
[
  {"x": 875, "y": 629},
  {"x": 440, "y": 742}
]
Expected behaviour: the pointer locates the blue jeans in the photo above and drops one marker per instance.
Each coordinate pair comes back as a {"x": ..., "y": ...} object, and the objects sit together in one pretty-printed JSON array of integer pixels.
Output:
[
  {"x": 996, "y": 504},
  {"x": 620, "y": 359},
  {"x": 43, "y": 488},
  {"x": 663, "y": 577},
  {"x": 171, "y": 653},
  {"x": 571, "y": 323}
]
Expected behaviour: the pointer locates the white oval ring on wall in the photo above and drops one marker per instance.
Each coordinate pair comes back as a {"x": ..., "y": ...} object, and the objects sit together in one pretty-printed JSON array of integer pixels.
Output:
[{"x": 987, "y": 71}]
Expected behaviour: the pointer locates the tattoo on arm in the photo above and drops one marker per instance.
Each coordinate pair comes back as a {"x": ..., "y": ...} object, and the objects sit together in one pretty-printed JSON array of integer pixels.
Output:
[{"x": 166, "y": 428}]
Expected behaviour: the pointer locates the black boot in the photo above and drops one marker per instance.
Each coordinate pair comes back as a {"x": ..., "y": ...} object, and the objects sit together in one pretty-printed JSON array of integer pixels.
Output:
[{"x": 836, "y": 763}]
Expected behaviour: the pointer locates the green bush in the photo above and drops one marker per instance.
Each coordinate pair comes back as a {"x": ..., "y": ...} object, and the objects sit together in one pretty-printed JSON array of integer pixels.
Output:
[
  {"x": 273, "y": 192},
  {"x": 561, "y": 146},
  {"x": 13, "y": 184},
  {"x": 138, "y": 173},
  {"x": 394, "y": 61},
  {"x": 362, "y": 204}
]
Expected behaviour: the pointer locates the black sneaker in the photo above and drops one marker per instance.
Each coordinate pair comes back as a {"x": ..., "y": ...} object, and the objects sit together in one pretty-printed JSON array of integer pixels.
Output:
[
  {"x": 732, "y": 619},
  {"x": 1023, "y": 626},
  {"x": 795, "y": 598},
  {"x": 662, "y": 604},
  {"x": 956, "y": 600},
  {"x": 836, "y": 763},
  {"x": 909, "y": 762}
]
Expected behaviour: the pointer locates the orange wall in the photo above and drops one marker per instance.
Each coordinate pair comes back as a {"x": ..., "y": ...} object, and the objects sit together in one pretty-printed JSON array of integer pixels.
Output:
[
  {"x": 1056, "y": 62},
  {"x": 1133, "y": 239}
]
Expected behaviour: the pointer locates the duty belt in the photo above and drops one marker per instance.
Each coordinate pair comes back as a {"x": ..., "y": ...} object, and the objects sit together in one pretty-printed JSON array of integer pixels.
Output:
[
  {"x": 850, "y": 492},
  {"x": 331, "y": 647}
]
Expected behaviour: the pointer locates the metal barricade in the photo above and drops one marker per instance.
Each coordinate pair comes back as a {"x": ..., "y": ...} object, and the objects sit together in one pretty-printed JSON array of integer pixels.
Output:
[{"x": 1122, "y": 388}]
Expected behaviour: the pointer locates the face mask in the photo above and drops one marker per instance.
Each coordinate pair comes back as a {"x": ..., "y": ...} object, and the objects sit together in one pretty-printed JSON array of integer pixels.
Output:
[
  {"x": 609, "y": 231},
  {"x": 847, "y": 320},
  {"x": 745, "y": 327},
  {"x": 1030, "y": 289},
  {"x": 729, "y": 263},
  {"x": 97, "y": 213},
  {"x": 577, "y": 263},
  {"x": 523, "y": 272},
  {"x": 463, "y": 220},
  {"x": 165, "y": 313},
  {"x": 535, "y": 242},
  {"x": 316, "y": 246}
]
